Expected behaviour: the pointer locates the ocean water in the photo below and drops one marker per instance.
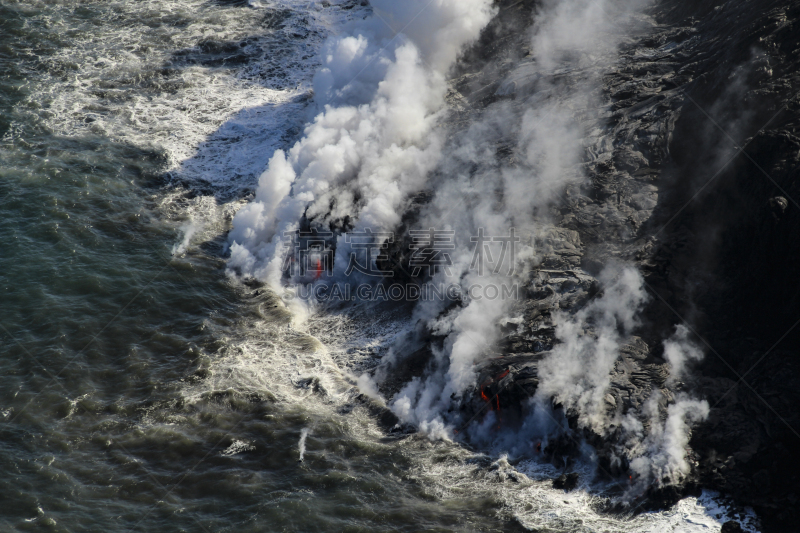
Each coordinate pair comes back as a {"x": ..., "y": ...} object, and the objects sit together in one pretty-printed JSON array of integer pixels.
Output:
[{"x": 145, "y": 389}]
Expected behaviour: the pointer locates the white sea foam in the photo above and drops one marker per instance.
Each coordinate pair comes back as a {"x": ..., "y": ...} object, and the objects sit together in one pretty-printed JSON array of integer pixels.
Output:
[
  {"x": 312, "y": 370},
  {"x": 528, "y": 497},
  {"x": 237, "y": 447},
  {"x": 214, "y": 90}
]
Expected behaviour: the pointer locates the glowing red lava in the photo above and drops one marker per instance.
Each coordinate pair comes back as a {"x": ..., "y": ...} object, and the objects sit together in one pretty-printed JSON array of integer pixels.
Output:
[{"x": 318, "y": 269}]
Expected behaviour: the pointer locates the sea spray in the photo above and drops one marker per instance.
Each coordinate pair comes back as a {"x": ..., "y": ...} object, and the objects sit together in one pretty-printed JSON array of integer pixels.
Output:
[
  {"x": 302, "y": 444},
  {"x": 189, "y": 229}
]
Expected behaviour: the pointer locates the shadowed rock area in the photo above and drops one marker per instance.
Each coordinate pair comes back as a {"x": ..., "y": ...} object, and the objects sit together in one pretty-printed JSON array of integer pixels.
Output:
[{"x": 693, "y": 177}]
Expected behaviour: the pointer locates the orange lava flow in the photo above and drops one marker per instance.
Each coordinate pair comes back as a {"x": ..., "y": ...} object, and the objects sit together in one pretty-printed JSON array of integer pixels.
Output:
[{"x": 318, "y": 269}]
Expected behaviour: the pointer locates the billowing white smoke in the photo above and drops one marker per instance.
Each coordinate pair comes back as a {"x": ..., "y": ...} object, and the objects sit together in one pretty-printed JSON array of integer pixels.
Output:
[
  {"x": 374, "y": 142},
  {"x": 578, "y": 371},
  {"x": 659, "y": 456},
  {"x": 301, "y": 445},
  {"x": 189, "y": 229},
  {"x": 582, "y": 35},
  {"x": 680, "y": 351},
  {"x": 576, "y": 34},
  {"x": 577, "y": 374}
]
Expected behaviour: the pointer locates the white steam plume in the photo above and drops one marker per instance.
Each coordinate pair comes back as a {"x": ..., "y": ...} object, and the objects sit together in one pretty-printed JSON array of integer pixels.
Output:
[
  {"x": 679, "y": 351},
  {"x": 578, "y": 371},
  {"x": 189, "y": 229},
  {"x": 301, "y": 446},
  {"x": 577, "y": 40},
  {"x": 374, "y": 142},
  {"x": 660, "y": 457},
  {"x": 571, "y": 36}
]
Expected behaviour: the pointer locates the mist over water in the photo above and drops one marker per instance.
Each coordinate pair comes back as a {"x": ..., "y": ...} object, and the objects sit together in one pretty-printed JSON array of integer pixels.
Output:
[{"x": 153, "y": 155}]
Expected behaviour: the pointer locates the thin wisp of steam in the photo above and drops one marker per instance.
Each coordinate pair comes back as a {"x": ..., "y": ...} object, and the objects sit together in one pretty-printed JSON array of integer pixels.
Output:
[{"x": 301, "y": 446}]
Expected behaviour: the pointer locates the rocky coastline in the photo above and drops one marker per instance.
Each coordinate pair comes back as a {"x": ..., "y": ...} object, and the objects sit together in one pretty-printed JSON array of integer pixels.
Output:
[{"x": 692, "y": 179}]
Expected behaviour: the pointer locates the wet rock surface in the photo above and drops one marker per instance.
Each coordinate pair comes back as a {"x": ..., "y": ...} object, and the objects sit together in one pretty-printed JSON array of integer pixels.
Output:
[{"x": 566, "y": 482}]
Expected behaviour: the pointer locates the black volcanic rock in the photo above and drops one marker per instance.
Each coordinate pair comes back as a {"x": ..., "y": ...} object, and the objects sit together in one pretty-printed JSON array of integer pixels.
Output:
[
  {"x": 696, "y": 180},
  {"x": 731, "y": 527},
  {"x": 566, "y": 482}
]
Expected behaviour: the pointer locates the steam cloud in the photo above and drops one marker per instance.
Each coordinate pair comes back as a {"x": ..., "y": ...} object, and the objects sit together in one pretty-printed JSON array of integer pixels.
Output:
[
  {"x": 189, "y": 229},
  {"x": 375, "y": 141},
  {"x": 578, "y": 371},
  {"x": 680, "y": 351},
  {"x": 378, "y": 139},
  {"x": 659, "y": 457}
]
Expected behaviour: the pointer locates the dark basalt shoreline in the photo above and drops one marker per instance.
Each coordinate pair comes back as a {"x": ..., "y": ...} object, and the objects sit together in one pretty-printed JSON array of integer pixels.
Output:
[{"x": 713, "y": 229}]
